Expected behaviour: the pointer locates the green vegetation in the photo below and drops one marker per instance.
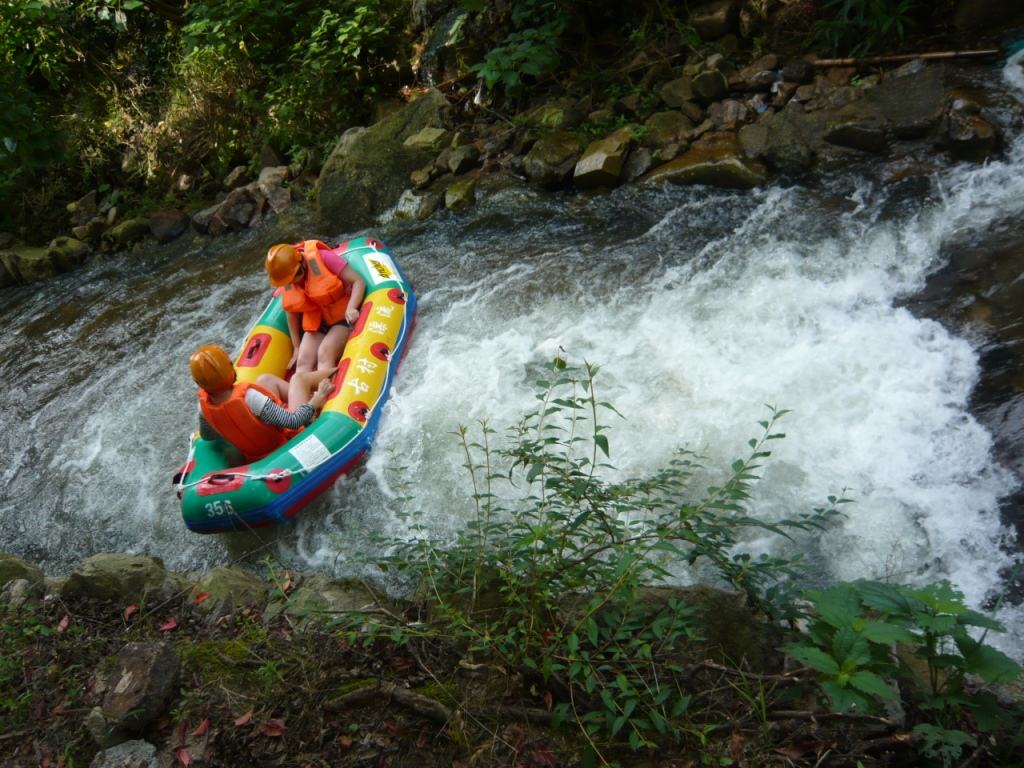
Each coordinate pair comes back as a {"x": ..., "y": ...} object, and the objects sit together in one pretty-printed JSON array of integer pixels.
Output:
[{"x": 552, "y": 576}]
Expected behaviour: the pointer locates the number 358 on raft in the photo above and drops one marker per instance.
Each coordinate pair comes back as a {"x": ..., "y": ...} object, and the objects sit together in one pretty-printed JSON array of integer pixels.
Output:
[{"x": 218, "y": 494}]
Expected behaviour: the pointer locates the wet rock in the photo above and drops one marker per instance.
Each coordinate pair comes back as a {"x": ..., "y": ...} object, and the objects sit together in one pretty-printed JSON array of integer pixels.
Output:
[
  {"x": 664, "y": 128},
  {"x": 602, "y": 161},
  {"x": 552, "y": 159},
  {"x": 201, "y": 219},
  {"x": 68, "y": 253},
  {"x": 461, "y": 194},
  {"x": 141, "y": 683},
  {"x": 708, "y": 86},
  {"x": 26, "y": 264},
  {"x": 779, "y": 140},
  {"x": 271, "y": 186},
  {"x": 168, "y": 224},
  {"x": 234, "y": 213},
  {"x": 628, "y": 106},
  {"x": 319, "y": 599},
  {"x": 121, "y": 579},
  {"x": 556, "y": 115},
  {"x": 497, "y": 140},
  {"x": 637, "y": 164},
  {"x": 715, "y": 19},
  {"x": 912, "y": 99},
  {"x": 463, "y": 159},
  {"x": 430, "y": 137},
  {"x": 421, "y": 177},
  {"x": 13, "y": 568},
  {"x": 693, "y": 111},
  {"x": 758, "y": 75},
  {"x": 238, "y": 177},
  {"x": 677, "y": 92},
  {"x": 15, "y": 593},
  {"x": 368, "y": 171},
  {"x": 728, "y": 114},
  {"x": 971, "y": 137},
  {"x": 716, "y": 161},
  {"x": 130, "y": 754},
  {"x": 864, "y": 135},
  {"x": 228, "y": 589},
  {"x": 128, "y": 232},
  {"x": 91, "y": 231},
  {"x": 798, "y": 71},
  {"x": 417, "y": 206}
]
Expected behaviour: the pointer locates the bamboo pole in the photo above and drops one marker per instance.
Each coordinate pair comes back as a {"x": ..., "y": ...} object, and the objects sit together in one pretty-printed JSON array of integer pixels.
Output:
[{"x": 902, "y": 57}]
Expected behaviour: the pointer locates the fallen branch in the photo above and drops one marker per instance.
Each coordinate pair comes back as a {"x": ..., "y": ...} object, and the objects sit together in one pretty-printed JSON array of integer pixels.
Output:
[
  {"x": 421, "y": 705},
  {"x": 903, "y": 57}
]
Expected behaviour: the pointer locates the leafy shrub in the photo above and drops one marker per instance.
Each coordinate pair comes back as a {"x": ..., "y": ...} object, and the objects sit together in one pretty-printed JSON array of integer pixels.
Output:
[
  {"x": 547, "y": 576},
  {"x": 856, "y": 27}
]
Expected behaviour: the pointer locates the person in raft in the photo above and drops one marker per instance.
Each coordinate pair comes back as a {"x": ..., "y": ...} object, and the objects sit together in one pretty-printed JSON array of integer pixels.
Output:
[
  {"x": 253, "y": 417},
  {"x": 322, "y": 294}
]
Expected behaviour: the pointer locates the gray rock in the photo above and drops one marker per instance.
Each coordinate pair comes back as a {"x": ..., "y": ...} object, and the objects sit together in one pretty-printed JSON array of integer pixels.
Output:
[
  {"x": 27, "y": 264},
  {"x": 228, "y": 589},
  {"x": 122, "y": 235},
  {"x": 201, "y": 219},
  {"x": 715, "y": 19},
  {"x": 15, "y": 593},
  {"x": 866, "y": 136},
  {"x": 238, "y": 177},
  {"x": 637, "y": 164},
  {"x": 271, "y": 185},
  {"x": 91, "y": 231},
  {"x": 758, "y": 75},
  {"x": 141, "y": 683},
  {"x": 421, "y": 177},
  {"x": 708, "y": 86},
  {"x": 463, "y": 159},
  {"x": 234, "y": 213},
  {"x": 728, "y": 114},
  {"x": 130, "y": 754},
  {"x": 912, "y": 99},
  {"x": 602, "y": 161},
  {"x": 717, "y": 162},
  {"x": 552, "y": 159},
  {"x": 663, "y": 128},
  {"x": 367, "y": 172},
  {"x": 779, "y": 140},
  {"x": 83, "y": 209},
  {"x": 417, "y": 206},
  {"x": 677, "y": 92},
  {"x": 431, "y": 138},
  {"x": 168, "y": 224},
  {"x": 318, "y": 599},
  {"x": 461, "y": 194},
  {"x": 121, "y": 579},
  {"x": 68, "y": 253},
  {"x": 971, "y": 137},
  {"x": 798, "y": 71},
  {"x": 13, "y": 568},
  {"x": 269, "y": 157},
  {"x": 557, "y": 115}
]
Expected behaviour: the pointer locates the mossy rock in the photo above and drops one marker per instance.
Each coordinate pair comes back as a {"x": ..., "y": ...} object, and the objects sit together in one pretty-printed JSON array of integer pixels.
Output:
[
  {"x": 227, "y": 589},
  {"x": 122, "y": 579},
  {"x": 29, "y": 264},
  {"x": 716, "y": 163},
  {"x": 12, "y": 568}
]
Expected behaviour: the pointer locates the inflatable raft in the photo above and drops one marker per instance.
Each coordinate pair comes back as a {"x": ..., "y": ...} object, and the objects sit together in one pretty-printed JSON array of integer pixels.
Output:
[{"x": 217, "y": 495}]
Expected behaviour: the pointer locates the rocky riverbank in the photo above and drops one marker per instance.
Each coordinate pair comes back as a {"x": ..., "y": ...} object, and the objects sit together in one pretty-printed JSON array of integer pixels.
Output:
[{"x": 715, "y": 115}]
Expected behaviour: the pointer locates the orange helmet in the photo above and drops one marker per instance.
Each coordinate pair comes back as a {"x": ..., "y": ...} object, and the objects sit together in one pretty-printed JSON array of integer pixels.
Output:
[
  {"x": 212, "y": 368},
  {"x": 282, "y": 264}
]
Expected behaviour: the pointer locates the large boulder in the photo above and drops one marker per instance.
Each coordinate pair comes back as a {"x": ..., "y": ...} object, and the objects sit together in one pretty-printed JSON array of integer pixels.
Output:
[
  {"x": 141, "y": 682},
  {"x": 664, "y": 128},
  {"x": 226, "y": 589},
  {"x": 125, "y": 234},
  {"x": 129, "y": 754},
  {"x": 716, "y": 161},
  {"x": 12, "y": 568},
  {"x": 168, "y": 224},
  {"x": 715, "y": 19},
  {"x": 780, "y": 140},
  {"x": 552, "y": 159},
  {"x": 602, "y": 161},
  {"x": 122, "y": 579},
  {"x": 368, "y": 171},
  {"x": 912, "y": 99},
  {"x": 28, "y": 264}
]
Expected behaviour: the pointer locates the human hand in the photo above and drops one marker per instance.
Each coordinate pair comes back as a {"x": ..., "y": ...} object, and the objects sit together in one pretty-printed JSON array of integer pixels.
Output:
[
  {"x": 352, "y": 316},
  {"x": 292, "y": 360},
  {"x": 319, "y": 397}
]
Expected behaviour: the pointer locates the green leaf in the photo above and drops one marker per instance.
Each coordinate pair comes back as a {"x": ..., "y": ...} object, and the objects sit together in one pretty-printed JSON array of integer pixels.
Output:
[
  {"x": 813, "y": 657},
  {"x": 602, "y": 443},
  {"x": 992, "y": 665},
  {"x": 845, "y": 699},
  {"x": 838, "y": 605},
  {"x": 885, "y": 633},
  {"x": 870, "y": 683}
]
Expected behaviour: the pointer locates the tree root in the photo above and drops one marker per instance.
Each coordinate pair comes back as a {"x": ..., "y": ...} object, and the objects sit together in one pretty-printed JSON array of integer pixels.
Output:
[{"x": 389, "y": 692}]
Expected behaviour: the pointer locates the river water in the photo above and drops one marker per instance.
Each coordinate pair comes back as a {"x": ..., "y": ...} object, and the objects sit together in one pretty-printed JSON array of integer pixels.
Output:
[{"x": 883, "y": 308}]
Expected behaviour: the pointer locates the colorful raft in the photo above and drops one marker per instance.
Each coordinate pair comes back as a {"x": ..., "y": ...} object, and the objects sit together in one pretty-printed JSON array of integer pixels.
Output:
[{"x": 217, "y": 496}]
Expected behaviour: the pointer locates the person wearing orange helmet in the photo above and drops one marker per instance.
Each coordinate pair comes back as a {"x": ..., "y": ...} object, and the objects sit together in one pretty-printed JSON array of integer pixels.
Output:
[
  {"x": 253, "y": 417},
  {"x": 321, "y": 294}
]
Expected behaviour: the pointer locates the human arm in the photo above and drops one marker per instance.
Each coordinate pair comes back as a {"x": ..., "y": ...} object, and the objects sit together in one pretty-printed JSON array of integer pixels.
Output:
[
  {"x": 357, "y": 291},
  {"x": 295, "y": 333},
  {"x": 276, "y": 415}
]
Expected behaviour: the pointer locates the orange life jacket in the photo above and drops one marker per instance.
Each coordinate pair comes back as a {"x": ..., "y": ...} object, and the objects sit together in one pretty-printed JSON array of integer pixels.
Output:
[
  {"x": 324, "y": 296},
  {"x": 237, "y": 424}
]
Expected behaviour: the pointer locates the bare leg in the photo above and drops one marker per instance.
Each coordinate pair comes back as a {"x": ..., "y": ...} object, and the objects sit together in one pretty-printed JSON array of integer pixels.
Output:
[
  {"x": 331, "y": 347},
  {"x": 275, "y": 384},
  {"x": 307, "y": 352},
  {"x": 302, "y": 386}
]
